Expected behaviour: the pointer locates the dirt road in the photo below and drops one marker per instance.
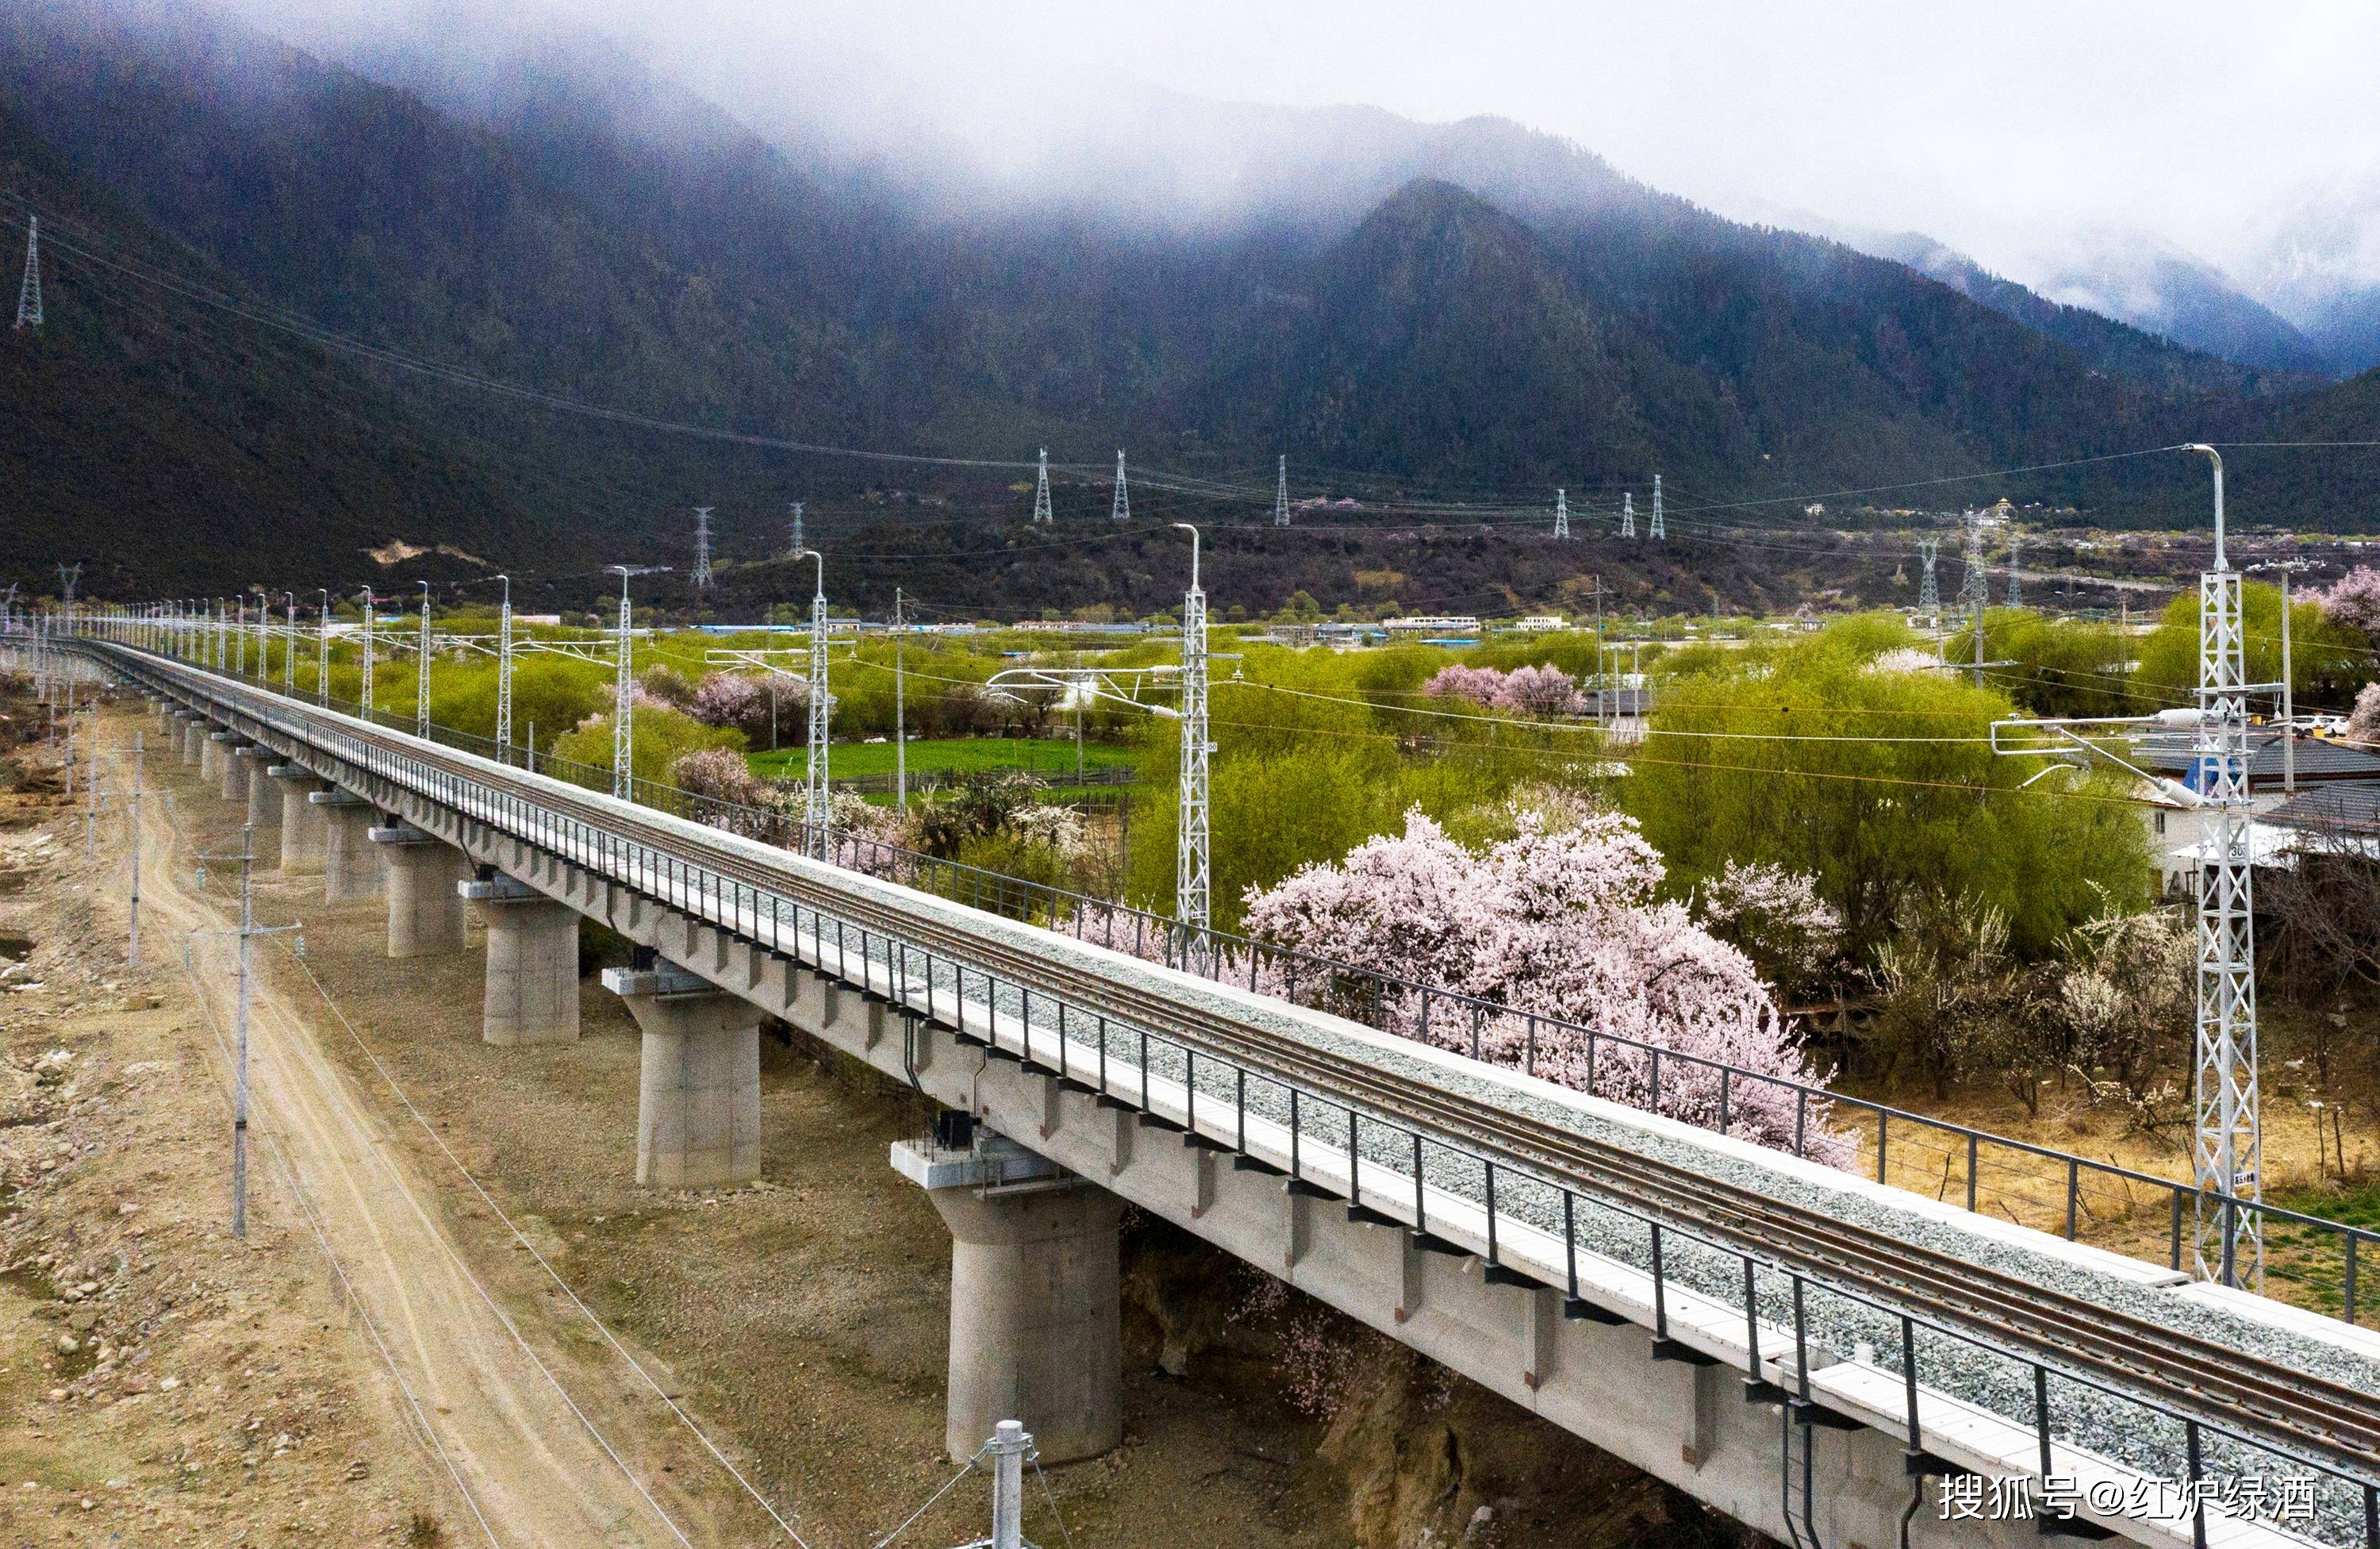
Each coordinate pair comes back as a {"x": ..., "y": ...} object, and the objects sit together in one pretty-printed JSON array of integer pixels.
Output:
[{"x": 541, "y": 1449}]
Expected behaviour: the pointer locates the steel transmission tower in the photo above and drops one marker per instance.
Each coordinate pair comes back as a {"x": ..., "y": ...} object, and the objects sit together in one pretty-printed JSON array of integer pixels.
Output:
[
  {"x": 1122, "y": 509},
  {"x": 1562, "y": 514},
  {"x": 623, "y": 688},
  {"x": 421, "y": 672},
  {"x": 2229, "y": 1152},
  {"x": 1041, "y": 490},
  {"x": 1929, "y": 591},
  {"x": 818, "y": 793},
  {"x": 69, "y": 576},
  {"x": 1659, "y": 530},
  {"x": 1279, "y": 498},
  {"x": 799, "y": 544},
  {"x": 1191, "y": 873},
  {"x": 702, "y": 549},
  {"x": 2016, "y": 585},
  {"x": 1974, "y": 589},
  {"x": 372, "y": 606},
  {"x": 1628, "y": 515},
  {"x": 29, "y": 293}
]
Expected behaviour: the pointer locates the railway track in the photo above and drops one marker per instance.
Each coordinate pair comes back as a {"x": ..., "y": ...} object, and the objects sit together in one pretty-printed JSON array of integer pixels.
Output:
[{"x": 2263, "y": 1403}]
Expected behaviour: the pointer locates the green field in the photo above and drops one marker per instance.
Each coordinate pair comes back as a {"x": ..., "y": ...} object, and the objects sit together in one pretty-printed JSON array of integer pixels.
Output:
[{"x": 850, "y": 761}]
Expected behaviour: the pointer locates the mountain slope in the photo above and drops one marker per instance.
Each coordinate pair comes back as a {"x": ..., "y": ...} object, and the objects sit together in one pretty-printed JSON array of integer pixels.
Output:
[{"x": 176, "y": 458}]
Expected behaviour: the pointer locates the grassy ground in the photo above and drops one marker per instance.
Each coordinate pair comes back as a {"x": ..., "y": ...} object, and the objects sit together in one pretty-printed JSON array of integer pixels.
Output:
[{"x": 1044, "y": 755}]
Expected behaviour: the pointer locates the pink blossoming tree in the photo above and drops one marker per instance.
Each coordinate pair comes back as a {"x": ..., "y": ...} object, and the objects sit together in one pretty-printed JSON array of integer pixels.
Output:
[
  {"x": 1540, "y": 691},
  {"x": 2354, "y": 601},
  {"x": 1561, "y": 920}
]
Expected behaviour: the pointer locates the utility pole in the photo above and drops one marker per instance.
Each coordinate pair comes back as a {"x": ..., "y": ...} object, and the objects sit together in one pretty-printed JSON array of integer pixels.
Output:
[
  {"x": 421, "y": 672},
  {"x": 323, "y": 651},
  {"x": 290, "y": 649},
  {"x": 2228, "y": 1154},
  {"x": 247, "y": 930},
  {"x": 1009, "y": 1445},
  {"x": 702, "y": 576},
  {"x": 624, "y": 783},
  {"x": 1121, "y": 510},
  {"x": 1191, "y": 873},
  {"x": 817, "y": 793},
  {"x": 900, "y": 713},
  {"x": 799, "y": 546},
  {"x": 505, "y": 671},
  {"x": 140, "y": 764},
  {"x": 2289, "y": 680},
  {"x": 2016, "y": 582},
  {"x": 1041, "y": 490},
  {"x": 1279, "y": 494},
  {"x": 1659, "y": 530},
  {"x": 1929, "y": 591},
  {"x": 29, "y": 291},
  {"x": 1561, "y": 515},
  {"x": 1628, "y": 514},
  {"x": 1974, "y": 587},
  {"x": 372, "y": 607}
]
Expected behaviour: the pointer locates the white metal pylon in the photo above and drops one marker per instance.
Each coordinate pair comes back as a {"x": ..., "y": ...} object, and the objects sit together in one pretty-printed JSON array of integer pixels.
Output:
[
  {"x": 1659, "y": 530},
  {"x": 421, "y": 672},
  {"x": 623, "y": 690},
  {"x": 2229, "y": 1152},
  {"x": 505, "y": 671},
  {"x": 1191, "y": 872},
  {"x": 2016, "y": 585},
  {"x": 1281, "y": 494},
  {"x": 1121, "y": 510},
  {"x": 1929, "y": 591},
  {"x": 1562, "y": 514},
  {"x": 372, "y": 607},
  {"x": 799, "y": 545},
  {"x": 702, "y": 549},
  {"x": 29, "y": 293},
  {"x": 817, "y": 810},
  {"x": 1041, "y": 490},
  {"x": 1628, "y": 515}
]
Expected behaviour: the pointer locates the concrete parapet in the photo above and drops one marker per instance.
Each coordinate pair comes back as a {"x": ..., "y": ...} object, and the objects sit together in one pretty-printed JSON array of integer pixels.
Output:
[
  {"x": 698, "y": 1104},
  {"x": 263, "y": 802},
  {"x": 532, "y": 963},
  {"x": 426, "y": 916},
  {"x": 350, "y": 865},
  {"x": 1034, "y": 1329},
  {"x": 302, "y": 822}
]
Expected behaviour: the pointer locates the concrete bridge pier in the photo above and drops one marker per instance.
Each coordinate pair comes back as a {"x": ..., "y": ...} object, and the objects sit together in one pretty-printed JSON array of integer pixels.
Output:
[
  {"x": 350, "y": 865},
  {"x": 231, "y": 775},
  {"x": 210, "y": 754},
  {"x": 301, "y": 821},
  {"x": 532, "y": 963},
  {"x": 426, "y": 916},
  {"x": 263, "y": 802},
  {"x": 1036, "y": 1330},
  {"x": 698, "y": 1104},
  {"x": 188, "y": 724}
]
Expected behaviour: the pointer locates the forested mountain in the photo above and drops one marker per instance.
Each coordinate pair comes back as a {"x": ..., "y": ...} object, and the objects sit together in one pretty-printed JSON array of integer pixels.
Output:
[{"x": 572, "y": 225}]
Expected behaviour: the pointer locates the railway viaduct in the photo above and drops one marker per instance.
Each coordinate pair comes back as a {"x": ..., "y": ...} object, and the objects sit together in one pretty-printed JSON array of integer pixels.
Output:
[{"x": 1809, "y": 1352}]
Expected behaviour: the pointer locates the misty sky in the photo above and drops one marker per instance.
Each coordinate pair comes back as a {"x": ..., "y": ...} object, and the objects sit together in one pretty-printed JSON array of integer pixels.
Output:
[{"x": 2008, "y": 129}]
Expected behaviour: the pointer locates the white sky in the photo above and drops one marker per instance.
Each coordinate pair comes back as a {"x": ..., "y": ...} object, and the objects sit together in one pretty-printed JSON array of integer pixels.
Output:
[{"x": 2002, "y": 129}]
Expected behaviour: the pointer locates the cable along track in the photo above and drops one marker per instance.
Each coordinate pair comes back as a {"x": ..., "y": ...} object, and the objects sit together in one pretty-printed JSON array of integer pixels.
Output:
[{"x": 2261, "y": 1402}]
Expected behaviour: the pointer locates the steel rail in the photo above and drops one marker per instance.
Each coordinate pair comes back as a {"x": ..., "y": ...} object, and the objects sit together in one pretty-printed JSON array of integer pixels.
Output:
[{"x": 2284, "y": 1409}]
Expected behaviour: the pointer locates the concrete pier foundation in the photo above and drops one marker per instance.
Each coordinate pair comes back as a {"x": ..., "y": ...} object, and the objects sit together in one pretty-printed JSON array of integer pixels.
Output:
[
  {"x": 302, "y": 822},
  {"x": 532, "y": 963},
  {"x": 189, "y": 729},
  {"x": 699, "y": 1105},
  {"x": 263, "y": 801},
  {"x": 1035, "y": 1323},
  {"x": 211, "y": 755},
  {"x": 350, "y": 862},
  {"x": 231, "y": 773},
  {"x": 426, "y": 916}
]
